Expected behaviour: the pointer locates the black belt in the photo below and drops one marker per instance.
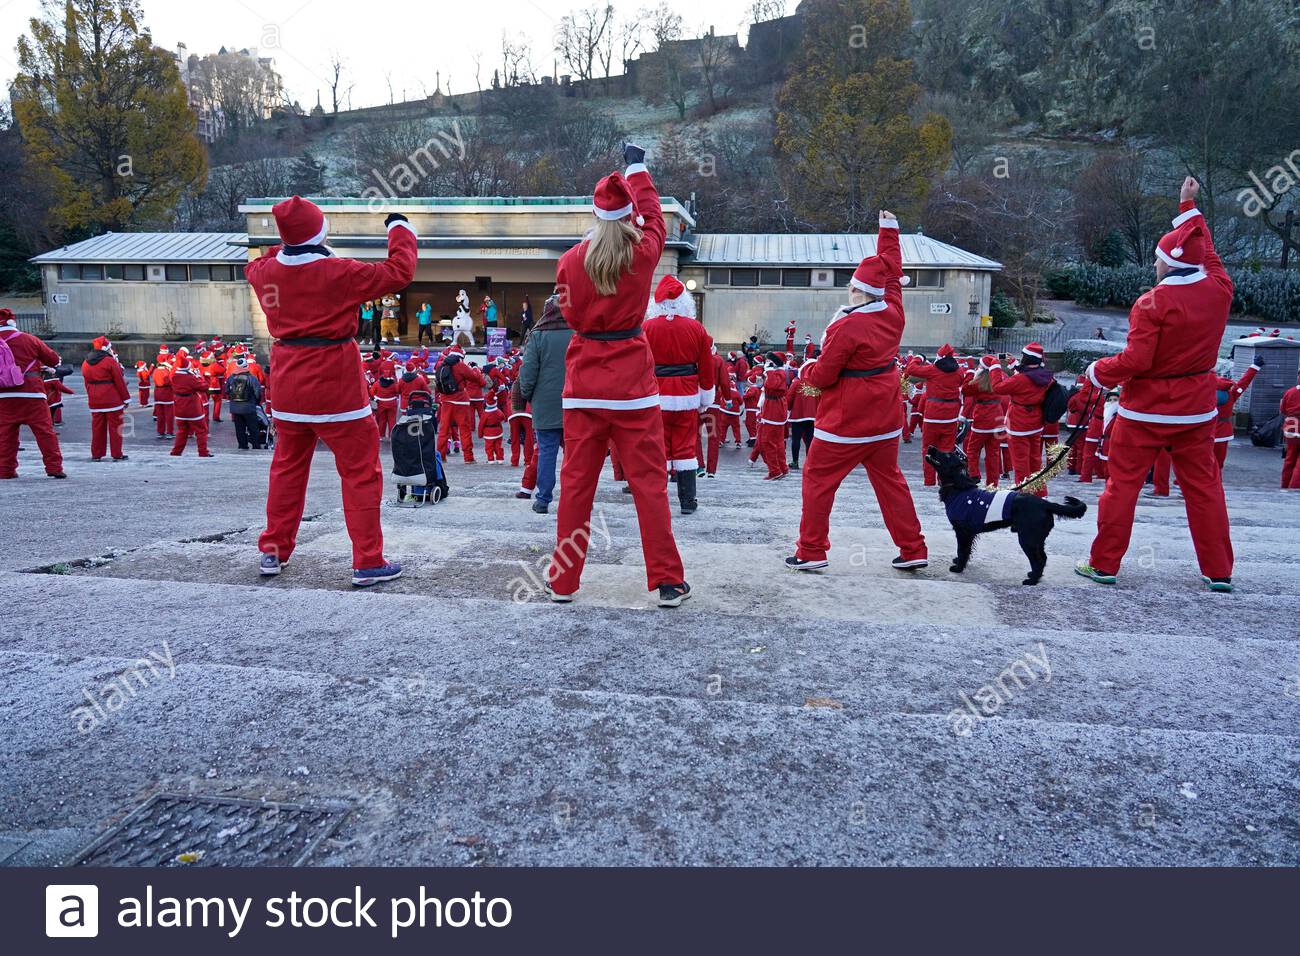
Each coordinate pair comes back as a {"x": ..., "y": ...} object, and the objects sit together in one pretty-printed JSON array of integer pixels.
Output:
[
  {"x": 676, "y": 371},
  {"x": 928, "y": 399},
  {"x": 619, "y": 335},
  {"x": 865, "y": 372},
  {"x": 987, "y": 401},
  {"x": 314, "y": 342}
]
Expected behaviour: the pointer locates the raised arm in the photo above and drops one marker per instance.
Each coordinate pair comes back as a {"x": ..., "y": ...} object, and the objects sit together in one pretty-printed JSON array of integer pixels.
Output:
[
  {"x": 367, "y": 280},
  {"x": 648, "y": 207},
  {"x": 889, "y": 249}
]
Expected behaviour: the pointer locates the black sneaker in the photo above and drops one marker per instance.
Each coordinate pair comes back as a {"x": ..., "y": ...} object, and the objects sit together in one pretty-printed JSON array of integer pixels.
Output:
[
  {"x": 627, "y": 489},
  {"x": 122, "y": 458},
  {"x": 915, "y": 564},
  {"x": 672, "y": 595},
  {"x": 558, "y": 598},
  {"x": 58, "y": 474},
  {"x": 798, "y": 564}
]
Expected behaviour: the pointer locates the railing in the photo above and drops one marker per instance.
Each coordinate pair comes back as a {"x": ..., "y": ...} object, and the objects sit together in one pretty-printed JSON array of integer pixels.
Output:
[
  {"x": 33, "y": 322},
  {"x": 1015, "y": 339}
]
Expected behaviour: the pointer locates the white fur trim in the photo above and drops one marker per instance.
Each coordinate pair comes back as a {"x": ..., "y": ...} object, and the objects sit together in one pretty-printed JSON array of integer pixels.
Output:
[
  {"x": 1092, "y": 376},
  {"x": 634, "y": 169},
  {"x": 683, "y": 305},
  {"x": 706, "y": 397},
  {"x": 684, "y": 464},
  {"x": 940, "y": 421},
  {"x": 1225, "y": 438},
  {"x": 845, "y": 440},
  {"x": 1185, "y": 280},
  {"x": 611, "y": 215},
  {"x": 1183, "y": 217},
  {"x": 105, "y": 411},
  {"x": 1176, "y": 263},
  {"x": 300, "y": 259},
  {"x": 396, "y": 223},
  {"x": 871, "y": 289},
  {"x": 613, "y": 404},
  {"x": 40, "y": 395},
  {"x": 886, "y": 223},
  {"x": 1154, "y": 418},
  {"x": 1035, "y": 431},
  {"x": 336, "y": 417}
]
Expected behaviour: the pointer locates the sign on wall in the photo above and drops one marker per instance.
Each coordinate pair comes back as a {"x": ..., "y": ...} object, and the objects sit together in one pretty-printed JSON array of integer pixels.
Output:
[
  {"x": 59, "y": 298},
  {"x": 941, "y": 308}
]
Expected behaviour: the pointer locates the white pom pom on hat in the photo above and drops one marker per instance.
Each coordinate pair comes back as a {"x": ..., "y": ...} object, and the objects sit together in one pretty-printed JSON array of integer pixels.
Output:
[{"x": 905, "y": 280}]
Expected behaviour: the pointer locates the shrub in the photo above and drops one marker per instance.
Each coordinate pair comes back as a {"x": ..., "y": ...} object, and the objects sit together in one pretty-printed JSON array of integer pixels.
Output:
[
  {"x": 1080, "y": 353},
  {"x": 1003, "y": 311}
]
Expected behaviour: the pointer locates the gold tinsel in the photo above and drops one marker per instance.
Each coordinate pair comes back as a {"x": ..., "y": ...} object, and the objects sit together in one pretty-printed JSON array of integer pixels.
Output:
[
  {"x": 1058, "y": 458},
  {"x": 904, "y": 383},
  {"x": 809, "y": 389}
]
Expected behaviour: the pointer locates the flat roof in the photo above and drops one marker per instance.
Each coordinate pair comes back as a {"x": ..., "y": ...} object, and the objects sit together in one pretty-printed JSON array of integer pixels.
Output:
[
  {"x": 146, "y": 247},
  {"x": 827, "y": 249},
  {"x": 458, "y": 203}
]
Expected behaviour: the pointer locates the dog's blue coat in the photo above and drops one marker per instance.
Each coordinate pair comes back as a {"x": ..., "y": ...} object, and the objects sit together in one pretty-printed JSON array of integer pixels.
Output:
[{"x": 973, "y": 509}]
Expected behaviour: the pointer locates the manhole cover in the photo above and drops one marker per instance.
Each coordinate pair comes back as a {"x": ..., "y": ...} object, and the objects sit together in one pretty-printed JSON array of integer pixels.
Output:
[{"x": 173, "y": 829}]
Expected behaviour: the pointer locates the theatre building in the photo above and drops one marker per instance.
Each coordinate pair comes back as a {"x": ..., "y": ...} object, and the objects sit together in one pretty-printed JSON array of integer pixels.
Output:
[{"x": 183, "y": 285}]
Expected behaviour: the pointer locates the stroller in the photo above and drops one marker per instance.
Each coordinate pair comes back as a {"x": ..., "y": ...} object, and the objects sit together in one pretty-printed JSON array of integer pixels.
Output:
[
  {"x": 265, "y": 429},
  {"x": 417, "y": 466}
]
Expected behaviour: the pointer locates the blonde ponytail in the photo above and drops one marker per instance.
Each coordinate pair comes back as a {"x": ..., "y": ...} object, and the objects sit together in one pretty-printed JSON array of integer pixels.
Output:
[{"x": 609, "y": 253}]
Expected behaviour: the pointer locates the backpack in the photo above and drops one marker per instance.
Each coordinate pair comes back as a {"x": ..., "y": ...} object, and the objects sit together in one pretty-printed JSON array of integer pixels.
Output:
[
  {"x": 1268, "y": 434},
  {"x": 1056, "y": 402},
  {"x": 241, "y": 388},
  {"x": 445, "y": 379},
  {"x": 10, "y": 374}
]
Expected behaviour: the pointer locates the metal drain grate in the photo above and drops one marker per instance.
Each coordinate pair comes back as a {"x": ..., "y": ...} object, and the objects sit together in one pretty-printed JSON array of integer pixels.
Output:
[{"x": 174, "y": 829}]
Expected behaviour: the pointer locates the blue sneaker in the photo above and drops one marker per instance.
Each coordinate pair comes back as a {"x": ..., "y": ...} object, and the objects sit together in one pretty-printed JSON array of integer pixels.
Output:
[
  {"x": 271, "y": 565},
  {"x": 366, "y": 577}
]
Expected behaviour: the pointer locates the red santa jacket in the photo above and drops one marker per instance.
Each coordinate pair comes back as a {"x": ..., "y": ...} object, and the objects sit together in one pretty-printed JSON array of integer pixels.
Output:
[
  {"x": 143, "y": 375},
  {"x": 1167, "y": 367},
  {"x": 942, "y": 390},
  {"x": 984, "y": 409},
  {"x": 190, "y": 391},
  {"x": 753, "y": 393},
  {"x": 54, "y": 392},
  {"x": 725, "y": 396},
  {"x": 30, "y": 354},
  {"x": 316, "y": 295},
  {"x": 1290, "y": 408},
  {"x": 469, "y": 378},
  {"x": 106, "y": 389},
  {"x": 1026, "y": 390},
  {"x": 162, "y": 384},
  {"x": 215, "y": 373},
  {"x": 1223, "y": 430},
  {"x": 683, "y": 354},
  {"x": 772, "y": 409},
  {"x": 408, "y": 383},
  {"x": 803, "y": 406},
  {"x": 858, "y": 410},
  {"x": 490, "y": 423},
  {"x": 385, "y": 392},
  {"x": 618, "y": 374}
]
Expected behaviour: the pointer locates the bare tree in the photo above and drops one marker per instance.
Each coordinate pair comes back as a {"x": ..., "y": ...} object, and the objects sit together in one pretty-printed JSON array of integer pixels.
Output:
[
  {"x": 761, "y": 11},
  {"x": 338, "y": 66},
  {"x": 582, "y": 40},
  {"x": 516, "y": 61},
  {"x": 717, "y": 58},
  {"x": 668, "y": 73}
]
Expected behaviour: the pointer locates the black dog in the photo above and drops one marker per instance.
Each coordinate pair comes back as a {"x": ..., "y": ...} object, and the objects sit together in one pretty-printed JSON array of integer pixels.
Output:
[{"x": 972, "y": 511}]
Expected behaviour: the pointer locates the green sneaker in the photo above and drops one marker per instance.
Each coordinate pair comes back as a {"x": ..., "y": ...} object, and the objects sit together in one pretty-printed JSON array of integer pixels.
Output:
[
  {"x": 1221, "y": 585},
  {"x": 1086, "y": 570}
]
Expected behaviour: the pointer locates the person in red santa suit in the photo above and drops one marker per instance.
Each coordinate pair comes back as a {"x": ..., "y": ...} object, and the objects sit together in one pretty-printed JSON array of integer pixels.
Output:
[
  {"x": 773, "y": 417},
  {"x": 721, "y": 414},
  {"x": 214, "y": 370},
  {"x": 385, "y": 393},
  {"x": 492, "y": 430},
  {"x": 1168, "y": 400},
  {"x": 1075, "y": 409},
  {"x": 943, "y": 381},
  {"x": 915, "y": 408},
  {"x": 984, "y": 411},
  {"x": 610, "y": 391},
  {"x": 190, "y": 388},
  {"x": 803, "y": 415},
  {"x": 1290, "y": 409},
  {"x": 1090, "y": 464},
  {"x": 54, "y": 392},
  {"x": 108, "y": 397},
  {"x": 412, "y": 380},
  {"x": 310, "y": 297},
  {"x": 809, "y": 349},
  {"x": 753, "y": 395},
  {"x": 23, "y": 401},
  {"x": 163, "y": 400},
  {"x": 683, "y": 356},
  {"x": 1227, "y": 394},
  {"x": 455, "y": 414},
  {"x": 859, "y": 418},
  {"x": 734, "y": 410},
  {"x": 521, "y": 428},
  {"x": 789, "y": 337},
  {"x": 1026, "y": 389},
  {"x": 143, "y": 370}
]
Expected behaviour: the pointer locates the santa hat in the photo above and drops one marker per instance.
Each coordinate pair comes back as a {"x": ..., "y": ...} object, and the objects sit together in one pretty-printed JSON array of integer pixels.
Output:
[
  {"x": 671, "y": 298},
  {"x": 181, "y": 360},
  {"x": 988, "y": 361},
  {"x": 300, "y": 222},
  {"x": 206, "y": 357},
  {"x": 7, "y": 317},
  {"x": 101, "y": 343},
  {"x": 1033, "y": 350},
  {"x": 945, "y": 351},
  {"x": 1184, "y": 246},
  {"x": 871, "y": 275},
  {"x": 614, "y": 200},
  {"x": 779, "y": 358},
  {"x": 139, "y": 364}
]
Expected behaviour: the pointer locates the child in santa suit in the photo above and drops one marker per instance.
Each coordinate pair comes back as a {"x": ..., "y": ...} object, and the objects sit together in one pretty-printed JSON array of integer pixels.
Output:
[
  {"x": 190, "y": 388},
  {"x": 733, "y": 411},
  {"x": 54, "y": 392},
  {"x": 687, "y": 379},
  {"x": 492, "y": 431},
  {"x": 412, "y": 380},
  {"x": 611, "y": 395},
  {"x": 773, "y": 415},
  {"x": 943, "y": 381},
  {"x": 721, "y": 413},
  {"x": 476, "y": 396},
  {"x": 521, "y": 427},
  {"x": 1075, "y": 408},
  {"x": 915, "y": 408},
  {"x": 1090, "y": 464},
  {"x": 859, "y": 418},
  {"x": 455, "y": 414},
  {"x": 1026, "y": 390},
  {"x": 1227, "y": 395},
  {"x": 1290, "y": 409},
  {"x": 1168, "y": 400},
  {"x": 310, "y": 298},
  {"x": 143, "y": 371},
  {"x": 753, "y": 395},
  {"x": 984, "y": 411},
  {"x": 803, "y": 415},
  {"x": 215, "y": 371},
  {"x": 385, "y": 394},
  {"x": 163, "y": 408}
]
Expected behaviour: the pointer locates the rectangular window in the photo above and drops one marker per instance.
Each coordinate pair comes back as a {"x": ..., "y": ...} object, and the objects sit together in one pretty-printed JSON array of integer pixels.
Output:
[
  {"x": 239, "y": 273},
  {"x": 69, "y": 273},
  {"x": 113, "y": 272},
  {"x": 223, "y": 273},
  {"x": 719, "y": 277},
  {"x": 133, "y": 273},
  {"x": 842, "y": 277},
  {"x": 744, "y": 277},
  {"x": 92, "y": 273},
  {"x": 177, "y": 274},
  {"x": 796, "y": 278},
  {"x": 200, "y": 273},
  {"x": 769, "y": 276},
  {"x": 925, "y": 278}
]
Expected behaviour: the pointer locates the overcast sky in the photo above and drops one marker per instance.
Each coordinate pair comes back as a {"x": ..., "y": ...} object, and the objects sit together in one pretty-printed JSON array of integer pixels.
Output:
[{"x": 409, "y": 40}]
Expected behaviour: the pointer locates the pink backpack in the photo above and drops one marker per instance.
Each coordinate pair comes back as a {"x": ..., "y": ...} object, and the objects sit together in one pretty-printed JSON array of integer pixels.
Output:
[{"x": 10, "y": 374}]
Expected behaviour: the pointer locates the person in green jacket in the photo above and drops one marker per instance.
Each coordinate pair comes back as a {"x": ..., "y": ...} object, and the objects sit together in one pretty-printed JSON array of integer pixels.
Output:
[{"x": 541, "y": 382}]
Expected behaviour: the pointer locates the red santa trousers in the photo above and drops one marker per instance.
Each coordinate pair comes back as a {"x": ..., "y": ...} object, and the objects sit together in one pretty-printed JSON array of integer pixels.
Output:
[
  {"x": 35, "y": 414},
  {"x": 828, "y": 464},
  {"x": 771, "y": 448},
  {"x": 1291, "y": 464},
  {"x": 637, "y": 435},
  {"x": 163, "y": 414},
  {"x": 681, "y": 440},
  {"x": 106, "y": 432},
  {"x": 528, "y": 482},
  {"x": 1134, "y": 447},
  {"x": 1160, "y": 473},
  {"x": 144, "y": 395},
  {"x": 184, "y": 429},
  {"x": 494, "y": 448},
  {"x": 1027, "y": 457},
  {"x": 521, "y": 441},
  {"x": 385, "y": 418},
  {"x": 216, "y": 405},
  {"x": 461, "y": 418},
  {"x": 716, "y": 422},
  {"x": 988, "y": 444},
  {"x": 355, "y": 445},
  {"x": 942, "y": 436},
  {"x": 751, "y": 423},
  {"x": 731, "y": 423},
  {"x": 1221, "y": 453}
]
